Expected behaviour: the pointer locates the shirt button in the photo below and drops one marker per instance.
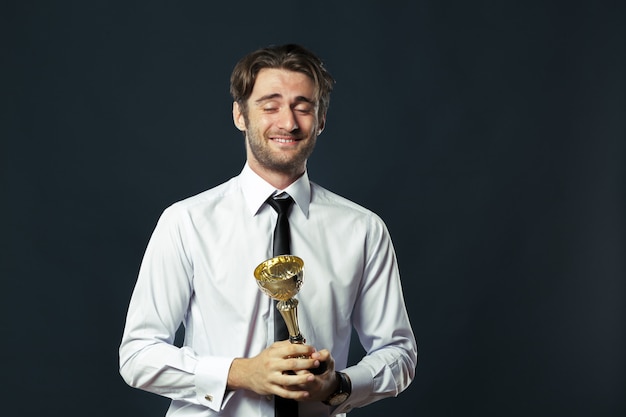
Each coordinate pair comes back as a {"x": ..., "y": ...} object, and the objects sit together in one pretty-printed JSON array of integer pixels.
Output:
[
  {"x": 269, "y": 397},
  {"x": 208, "y": 397}
]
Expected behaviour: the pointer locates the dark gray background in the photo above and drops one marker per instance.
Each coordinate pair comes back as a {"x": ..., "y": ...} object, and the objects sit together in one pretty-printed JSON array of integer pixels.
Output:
[{"x": 493, "y": 130}]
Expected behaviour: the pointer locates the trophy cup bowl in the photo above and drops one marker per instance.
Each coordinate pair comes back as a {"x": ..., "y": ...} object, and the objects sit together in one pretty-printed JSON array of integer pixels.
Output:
[{"x": 281, "y": 278}]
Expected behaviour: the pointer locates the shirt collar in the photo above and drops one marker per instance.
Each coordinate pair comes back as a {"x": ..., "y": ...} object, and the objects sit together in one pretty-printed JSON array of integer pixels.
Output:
[{"x": 256, "y": 190}]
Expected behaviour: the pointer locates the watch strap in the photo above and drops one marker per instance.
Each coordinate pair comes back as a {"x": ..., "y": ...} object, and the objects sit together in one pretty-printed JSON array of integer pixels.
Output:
[{"x": 344, "y": 389}]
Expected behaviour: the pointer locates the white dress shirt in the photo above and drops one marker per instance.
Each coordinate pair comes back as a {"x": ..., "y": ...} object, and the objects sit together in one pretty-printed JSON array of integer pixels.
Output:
[{"x": 198, "y": 270}]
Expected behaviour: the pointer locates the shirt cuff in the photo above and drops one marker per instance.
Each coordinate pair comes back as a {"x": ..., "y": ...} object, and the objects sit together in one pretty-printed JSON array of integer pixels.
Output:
[
  {"x": 362, "y": 386},
  {"x": 211, "y": 380}
]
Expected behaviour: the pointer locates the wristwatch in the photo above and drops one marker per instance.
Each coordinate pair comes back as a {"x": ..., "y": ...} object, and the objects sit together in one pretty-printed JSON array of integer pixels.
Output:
[{"x": 343, "y": 391}]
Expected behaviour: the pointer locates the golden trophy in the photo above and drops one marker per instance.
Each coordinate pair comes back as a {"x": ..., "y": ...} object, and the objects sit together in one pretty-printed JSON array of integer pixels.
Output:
[{"x": 281, "y": 278}]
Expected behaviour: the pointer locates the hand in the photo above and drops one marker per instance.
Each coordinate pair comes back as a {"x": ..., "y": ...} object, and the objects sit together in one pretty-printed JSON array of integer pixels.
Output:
[
  {"x": 278, "y": 370},
  {"x": 320, "y": 385}
]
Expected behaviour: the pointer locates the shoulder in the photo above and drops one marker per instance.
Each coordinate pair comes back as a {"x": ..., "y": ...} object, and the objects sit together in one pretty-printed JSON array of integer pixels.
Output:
[
  {"x": 206, "y": 200},
  {"x": 348, "y": 222},
  {"x": 329, "y": 200}
]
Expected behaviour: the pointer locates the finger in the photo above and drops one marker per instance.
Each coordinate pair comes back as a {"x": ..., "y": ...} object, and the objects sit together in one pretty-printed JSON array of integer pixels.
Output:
[
  {"x": 300, "y": 365},
  {"x": 298, "y": 350},
  {"x": 320, "y": 368},
  {"x": 322, "y": 355},
  {"x": 296, "y": 389},
  {"x": 284, "y": 350},
  {"x": 292, "y": 394},
  {"x": 294, "y": 380}
]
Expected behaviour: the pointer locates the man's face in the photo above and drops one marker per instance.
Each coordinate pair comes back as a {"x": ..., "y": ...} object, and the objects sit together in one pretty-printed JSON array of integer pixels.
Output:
[{"x": 281, "y": 123}]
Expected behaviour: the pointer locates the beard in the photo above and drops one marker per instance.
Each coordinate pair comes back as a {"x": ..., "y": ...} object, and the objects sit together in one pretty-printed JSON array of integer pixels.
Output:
[{"x": 287, "y": 162}]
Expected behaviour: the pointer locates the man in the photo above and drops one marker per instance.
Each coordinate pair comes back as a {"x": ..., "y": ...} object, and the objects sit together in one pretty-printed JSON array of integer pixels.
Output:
[{"x": 199, "y": 263}]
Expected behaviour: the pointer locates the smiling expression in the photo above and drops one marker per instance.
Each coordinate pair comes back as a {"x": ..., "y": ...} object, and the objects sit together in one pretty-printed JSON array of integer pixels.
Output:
[{"x": 281, "y": 123}]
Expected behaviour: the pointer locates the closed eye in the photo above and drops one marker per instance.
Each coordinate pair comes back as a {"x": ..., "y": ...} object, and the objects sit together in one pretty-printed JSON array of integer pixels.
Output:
[{"x": 303, "y": 109}]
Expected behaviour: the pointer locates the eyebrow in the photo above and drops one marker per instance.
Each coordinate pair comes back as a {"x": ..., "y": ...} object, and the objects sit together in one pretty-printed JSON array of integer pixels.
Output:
[{"x": 273, "y": 96}]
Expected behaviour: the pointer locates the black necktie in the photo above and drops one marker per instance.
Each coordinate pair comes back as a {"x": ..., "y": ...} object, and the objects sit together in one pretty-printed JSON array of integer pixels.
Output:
[
  {"x": 281, "y": 231},
  {"x": 283, "y": 407}
]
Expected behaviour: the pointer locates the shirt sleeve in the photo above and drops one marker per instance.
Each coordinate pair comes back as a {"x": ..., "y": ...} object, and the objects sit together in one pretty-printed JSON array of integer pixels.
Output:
[
  {"x": 148, "y": 358},
  {"x": 381, "y": 320}
]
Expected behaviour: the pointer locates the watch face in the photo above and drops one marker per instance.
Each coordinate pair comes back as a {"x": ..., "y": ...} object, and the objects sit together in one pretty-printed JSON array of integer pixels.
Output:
[{"x": 338, "y": 399}]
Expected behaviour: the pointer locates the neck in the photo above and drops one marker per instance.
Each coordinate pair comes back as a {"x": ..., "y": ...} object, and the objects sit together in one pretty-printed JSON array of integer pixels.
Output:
[{"x": 277, "y": 179}]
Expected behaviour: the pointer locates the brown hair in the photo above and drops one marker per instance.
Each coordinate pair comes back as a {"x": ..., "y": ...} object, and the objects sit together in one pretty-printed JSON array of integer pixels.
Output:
[{"x": 290, "y": 57}]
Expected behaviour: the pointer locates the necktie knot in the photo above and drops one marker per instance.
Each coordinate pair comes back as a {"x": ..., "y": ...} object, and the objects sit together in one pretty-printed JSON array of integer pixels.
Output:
[{"x": 281, "y": 205}]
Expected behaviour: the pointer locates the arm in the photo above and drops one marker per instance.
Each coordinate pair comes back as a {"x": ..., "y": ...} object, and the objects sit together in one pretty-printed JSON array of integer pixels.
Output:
[
  {"x": 148, "y": 358},
  {"x": 381, "y": 321}
]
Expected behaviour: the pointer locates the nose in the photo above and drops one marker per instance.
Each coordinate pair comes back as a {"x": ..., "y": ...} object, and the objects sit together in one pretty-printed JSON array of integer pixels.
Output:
[{"x": 287, "y": 120}]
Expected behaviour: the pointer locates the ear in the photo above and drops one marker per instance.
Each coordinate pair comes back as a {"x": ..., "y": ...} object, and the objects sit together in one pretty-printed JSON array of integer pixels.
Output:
[
  {"x": 321, "y": 125},
  {"x": 238, "y": 118}
]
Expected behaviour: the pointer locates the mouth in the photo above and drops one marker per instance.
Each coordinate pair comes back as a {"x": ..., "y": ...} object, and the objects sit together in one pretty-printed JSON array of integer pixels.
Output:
[{"x": 285, "y": 140}]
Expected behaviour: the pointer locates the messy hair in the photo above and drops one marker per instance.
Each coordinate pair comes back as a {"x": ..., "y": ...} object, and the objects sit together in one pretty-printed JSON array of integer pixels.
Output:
[{"x": 290, "y": 57}]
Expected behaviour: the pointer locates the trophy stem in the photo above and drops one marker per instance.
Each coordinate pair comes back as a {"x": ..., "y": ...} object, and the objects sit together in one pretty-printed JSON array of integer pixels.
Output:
[{"x": 289, "y": 310}]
